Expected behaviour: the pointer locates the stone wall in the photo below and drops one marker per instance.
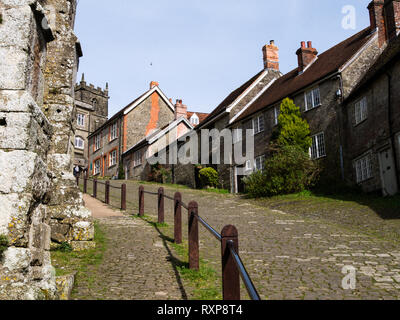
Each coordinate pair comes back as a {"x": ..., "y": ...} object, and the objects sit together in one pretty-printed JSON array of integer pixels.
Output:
[{"x": 37, "y": 189}]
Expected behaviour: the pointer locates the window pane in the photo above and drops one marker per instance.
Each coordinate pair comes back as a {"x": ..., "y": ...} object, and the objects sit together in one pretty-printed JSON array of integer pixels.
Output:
[
  {"x": 261, "y": 123},
  {"x": 317, "y": 99},
  {"x": 309, "y": 100}
]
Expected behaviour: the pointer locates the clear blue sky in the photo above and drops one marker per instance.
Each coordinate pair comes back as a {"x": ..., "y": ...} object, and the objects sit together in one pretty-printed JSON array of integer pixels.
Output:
[{"x": 200, "y": 50}]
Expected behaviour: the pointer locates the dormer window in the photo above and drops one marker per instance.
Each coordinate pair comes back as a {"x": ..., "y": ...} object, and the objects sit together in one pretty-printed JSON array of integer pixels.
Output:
[
  {"x": 194, "y": 120},
  {"x": 312, "y": 99}
]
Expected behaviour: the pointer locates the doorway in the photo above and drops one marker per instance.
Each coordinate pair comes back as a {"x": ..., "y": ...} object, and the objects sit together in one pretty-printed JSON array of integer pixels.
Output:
[{"x": 388, "y": 172}]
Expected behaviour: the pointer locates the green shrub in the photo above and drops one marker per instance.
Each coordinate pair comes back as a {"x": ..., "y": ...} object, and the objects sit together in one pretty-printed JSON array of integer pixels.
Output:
[
  {"x": 3, "y": 244},
  {"x": 65, "y": 247},
  {"x": 289, "y": 170},
  {"x": 121, "y": 172},
  {"x": 208, "y": 177}
]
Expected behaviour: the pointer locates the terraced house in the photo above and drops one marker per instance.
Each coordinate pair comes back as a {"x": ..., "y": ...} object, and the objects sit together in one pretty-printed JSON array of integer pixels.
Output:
[
  {"x": 319, "y": 85},
  {"x": 150, "y": 113}
]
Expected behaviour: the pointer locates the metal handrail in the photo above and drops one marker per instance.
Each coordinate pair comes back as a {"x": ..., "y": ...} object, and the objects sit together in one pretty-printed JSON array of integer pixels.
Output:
[
  {"x": 252, "y": 291},
  {"x": 209, "y": 228}
]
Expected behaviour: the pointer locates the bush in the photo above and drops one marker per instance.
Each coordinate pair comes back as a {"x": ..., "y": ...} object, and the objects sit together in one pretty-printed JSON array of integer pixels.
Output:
[
  {"x": 208, "y": 177},
  {"x": 290, "y": 170},
  {"x": 121, "y": 172}
]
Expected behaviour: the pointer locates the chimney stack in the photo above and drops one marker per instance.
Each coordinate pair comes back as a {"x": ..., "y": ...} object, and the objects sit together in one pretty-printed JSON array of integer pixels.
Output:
[
  {"x": 392, "y": 18},
  {"x": 153, "y": 84},
  {"x": 306, "y": 55},
  {"x": 271, "y": 56},
  {"x": 180, "y": 110},
  {"x": 377, "y": 20}
]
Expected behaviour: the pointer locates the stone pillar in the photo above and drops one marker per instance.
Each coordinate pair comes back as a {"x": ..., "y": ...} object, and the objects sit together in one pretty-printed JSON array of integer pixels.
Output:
[
  {"x": 70, "y": 221},
  {"x": 25, "y": 265}
]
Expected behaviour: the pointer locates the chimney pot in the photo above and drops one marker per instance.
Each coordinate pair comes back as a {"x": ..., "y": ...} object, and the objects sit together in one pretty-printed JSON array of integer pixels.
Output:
[
  {"x": 154, "y": 84},
  {"x": 306, "y": 55},
  {"x": 309, "y": 44},
  {"x": 303, "y": 44}
]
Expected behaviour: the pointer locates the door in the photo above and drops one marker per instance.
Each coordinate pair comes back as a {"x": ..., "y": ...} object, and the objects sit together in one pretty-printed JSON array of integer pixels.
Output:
[
  {"x": 388, "y": 172},
  {"x": 104, "y": 165}
]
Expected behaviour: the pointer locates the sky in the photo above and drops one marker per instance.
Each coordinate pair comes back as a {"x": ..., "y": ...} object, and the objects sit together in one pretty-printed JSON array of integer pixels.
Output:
[{"x": 199, "y": 50}]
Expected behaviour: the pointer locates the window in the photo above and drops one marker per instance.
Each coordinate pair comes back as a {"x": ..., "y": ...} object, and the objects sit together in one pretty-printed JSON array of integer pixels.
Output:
[
  {"x": 113, "y": 158},
  {"x": 363, "y": 168},
  {"x": 258, "y": 124},
  {"x": 194, "y": 120},
  {"x": 260, "y": 163},
  {"x": 248, "y": 165},
  {"x": 80, "y": 120},
  {"x": 317, "y": 149},
  {"x": 114, "y": 132},
  {"x": 137, "y": 158},
  {"x": 312, "y": 99},
  {"x": 79, "y": 143},
  {"x": 277, "y": 112},
  {"x": 97, "y": 142},
  {"x": 361, "y": 111},
  {"x": 97, "y": 167}
]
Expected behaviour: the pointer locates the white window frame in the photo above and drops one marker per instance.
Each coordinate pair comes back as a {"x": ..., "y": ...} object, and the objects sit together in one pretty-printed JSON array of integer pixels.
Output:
[
  {"x": 258, "y": 124},
  {"x": 97, "y": 166},
  {"x": 80, "y": 119},
  {"x": 97, "y": 142},
  {"x": 318, "y": 148},
  {"x": 114, "y": 131},
  {"x": 80, "y": 145},
  {"x": 361, "y": 110},
  {"x": 194, "y": 120},
  {"x": 137, "y": 158},
  {"x": 363, "y": 167},
  {"x": 312, "y": 98},
  {"x": 113, "y": 158},
  {"x": 277, "y": 112},
  {"x": 248, "y": 166},
  {"x": 259, "y": 163}
]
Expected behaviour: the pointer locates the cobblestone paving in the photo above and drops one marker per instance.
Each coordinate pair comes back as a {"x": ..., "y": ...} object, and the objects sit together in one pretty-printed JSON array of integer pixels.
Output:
[
  {"x": 135, "y": 264},
  {"x": 288, "y": 256}
]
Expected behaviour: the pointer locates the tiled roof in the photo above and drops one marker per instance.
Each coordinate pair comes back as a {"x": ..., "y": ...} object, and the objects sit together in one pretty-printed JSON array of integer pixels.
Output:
[
  {"x": 327, "y": 63},
  {"x": 202, "y": 116}
]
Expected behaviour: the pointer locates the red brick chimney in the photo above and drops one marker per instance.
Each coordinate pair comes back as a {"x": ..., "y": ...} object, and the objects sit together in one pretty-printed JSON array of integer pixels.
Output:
[
  {"x": 306, "y": 55},
  {"x": 154, "y": 84},
  {"x": 271, "y": 56},
  {"x": 180, "y": 110},
  {"x": 377, "y": 20},
  {"x": 392, "y": 18}
]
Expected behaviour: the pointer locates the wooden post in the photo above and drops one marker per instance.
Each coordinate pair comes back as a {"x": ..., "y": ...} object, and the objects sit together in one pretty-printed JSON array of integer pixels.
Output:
[
  {"x": 94, "y": 188},
  {"x": 123, "y": 197},
  {"x": 178, "y": 218},
  {"x": 141, "y": 201},
  {"x": 193, "y": 236},
  {"x": 85, "y": 184},
  {"x": 161, "y": 205},
  {"x": 230, "y": 272},
  {"x": 107, "y": 192}
]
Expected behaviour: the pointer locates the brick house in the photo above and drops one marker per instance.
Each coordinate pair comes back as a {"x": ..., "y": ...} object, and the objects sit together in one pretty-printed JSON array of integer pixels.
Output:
[
  {"x": 372, "y": 121},
  {"x": 319, "y": 85},
  {"x": 91, "y": 113}
]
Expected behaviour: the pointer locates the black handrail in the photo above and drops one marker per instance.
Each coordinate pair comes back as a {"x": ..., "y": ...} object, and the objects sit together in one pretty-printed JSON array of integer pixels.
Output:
[
  {"x": 209, "y": 228},
  {"x": 251, "y": 289}
]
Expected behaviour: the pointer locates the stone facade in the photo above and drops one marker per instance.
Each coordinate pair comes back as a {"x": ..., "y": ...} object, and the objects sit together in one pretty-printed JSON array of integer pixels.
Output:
[
  {"x": 38, "y": 65},
  {"x": 91, "y": 113}
]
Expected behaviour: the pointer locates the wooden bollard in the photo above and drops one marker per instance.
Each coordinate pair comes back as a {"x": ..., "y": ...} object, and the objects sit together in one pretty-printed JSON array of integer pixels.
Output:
[
  {"x": 230, "y": 273},
  {"x": 178, "y": 218},
  {"x": 107, "y": 192},
  {"x": 141, "y": 201},
  {"x": 193, "y": 236},
  {"x": 94, "y": 188},
  {"x": 123, "y": 197},
  {"x": 161, "y": 205}
]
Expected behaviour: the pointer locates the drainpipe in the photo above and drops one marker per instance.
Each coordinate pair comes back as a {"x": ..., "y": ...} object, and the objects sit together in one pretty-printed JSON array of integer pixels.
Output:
[
  {"x": 391, "y": 134},
  {"x": 340, "y": 123}
]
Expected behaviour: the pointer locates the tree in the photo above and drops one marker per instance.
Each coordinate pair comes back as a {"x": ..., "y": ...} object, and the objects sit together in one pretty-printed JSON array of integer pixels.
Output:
[{"x": 292, "y": 130}]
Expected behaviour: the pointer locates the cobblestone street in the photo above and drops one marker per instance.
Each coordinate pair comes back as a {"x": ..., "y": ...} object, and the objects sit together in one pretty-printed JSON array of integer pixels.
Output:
[{"x": 288, "y": 256}]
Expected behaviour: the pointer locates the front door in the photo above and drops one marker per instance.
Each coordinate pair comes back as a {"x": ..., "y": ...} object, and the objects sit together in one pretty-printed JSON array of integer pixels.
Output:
[
  {"x": 104, "y": 165},
  {"x": 388, "y": 172}
]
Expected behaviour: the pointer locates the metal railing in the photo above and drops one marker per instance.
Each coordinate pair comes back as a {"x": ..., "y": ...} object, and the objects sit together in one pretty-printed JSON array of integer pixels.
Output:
[{"x": 232, "y": 266}]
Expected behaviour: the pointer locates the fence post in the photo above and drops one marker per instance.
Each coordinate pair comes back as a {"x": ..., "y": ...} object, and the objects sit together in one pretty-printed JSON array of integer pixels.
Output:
[
  {"x": 107, "y": 192},
  {"x": 123, "y": 197},
  {"x": 178, "y": 218},
  {"x": 85, "y": 184},
  {"x": 193, "y": 236},
  {"x": 230, "y": 273},
  {"x": 161, "y": 205},
  {"x": 141, "y": 201},
  {"x": 94, "y": 188}
]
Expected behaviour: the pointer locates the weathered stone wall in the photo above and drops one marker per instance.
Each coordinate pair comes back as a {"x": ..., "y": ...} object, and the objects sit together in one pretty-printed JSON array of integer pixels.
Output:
[
  {"x": 70, "y": 220},
  {"x": 25, "y": 132}
]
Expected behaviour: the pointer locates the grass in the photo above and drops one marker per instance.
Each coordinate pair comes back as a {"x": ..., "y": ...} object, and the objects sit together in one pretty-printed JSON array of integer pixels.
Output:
[
  {"x": 205, "y": 282},
  {"x": 3, "y": 244},
  {"x": 68, "y": 262}
]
